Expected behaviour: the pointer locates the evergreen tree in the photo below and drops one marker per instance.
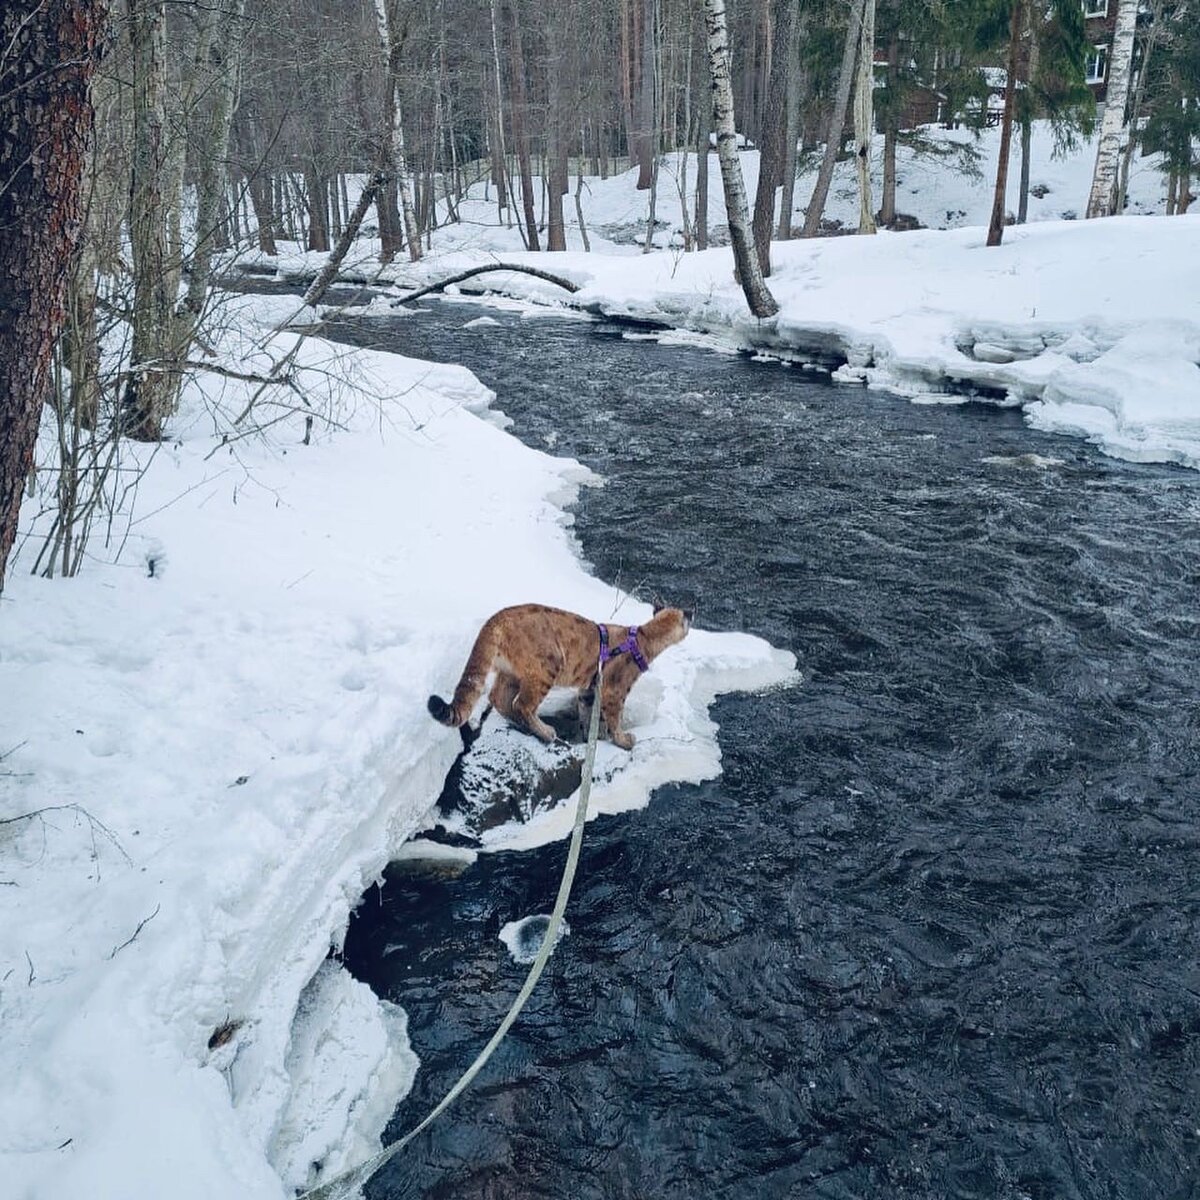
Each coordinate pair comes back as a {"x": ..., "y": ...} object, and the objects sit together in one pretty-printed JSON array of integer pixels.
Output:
[{"x": 1173, "y": 126}]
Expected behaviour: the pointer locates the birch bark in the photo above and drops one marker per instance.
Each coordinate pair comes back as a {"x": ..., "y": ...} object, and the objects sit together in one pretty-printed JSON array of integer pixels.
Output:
[
  {"x": 1102, "y": 200},
  {"x": 758, "y": 296},
  {"x": 864, "y": 117},
  {"x": 399, "y": 164}
]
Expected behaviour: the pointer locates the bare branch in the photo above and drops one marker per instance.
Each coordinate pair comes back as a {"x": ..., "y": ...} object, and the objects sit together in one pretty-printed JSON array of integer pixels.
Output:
[{"x": 140, "y": 926}]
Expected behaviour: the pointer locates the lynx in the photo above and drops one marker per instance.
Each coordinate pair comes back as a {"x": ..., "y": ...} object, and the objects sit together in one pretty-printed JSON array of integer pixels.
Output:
[{"x": 530, "y": 648}]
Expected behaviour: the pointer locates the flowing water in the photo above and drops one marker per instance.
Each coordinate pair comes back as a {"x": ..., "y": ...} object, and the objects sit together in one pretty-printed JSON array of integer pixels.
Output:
[{"x": 935, "y": 931}]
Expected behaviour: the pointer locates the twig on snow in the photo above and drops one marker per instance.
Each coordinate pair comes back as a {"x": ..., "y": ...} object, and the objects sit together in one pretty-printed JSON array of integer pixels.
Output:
[{"x": 140, "y": 926}]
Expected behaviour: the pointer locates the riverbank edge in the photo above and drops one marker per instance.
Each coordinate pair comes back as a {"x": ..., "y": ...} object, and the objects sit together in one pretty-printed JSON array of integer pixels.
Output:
[{"x": 1092, "y": 328}]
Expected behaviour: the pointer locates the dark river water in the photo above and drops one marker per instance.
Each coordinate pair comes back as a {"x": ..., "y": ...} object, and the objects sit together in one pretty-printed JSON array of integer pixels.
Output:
[{"x": 935, "y": 931}]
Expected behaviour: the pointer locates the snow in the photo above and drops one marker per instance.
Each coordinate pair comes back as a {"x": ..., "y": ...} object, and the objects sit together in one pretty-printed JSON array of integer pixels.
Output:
[
  {"x": 1092, "y": 327},
  {"x": 524, "y": 938},
  {"x": 231, "y": 748},
  {"x": 223, "y": 718}
]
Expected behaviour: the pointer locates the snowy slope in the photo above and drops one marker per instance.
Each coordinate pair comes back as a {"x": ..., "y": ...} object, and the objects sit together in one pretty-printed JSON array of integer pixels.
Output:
[{"x": 230, "y": 745}]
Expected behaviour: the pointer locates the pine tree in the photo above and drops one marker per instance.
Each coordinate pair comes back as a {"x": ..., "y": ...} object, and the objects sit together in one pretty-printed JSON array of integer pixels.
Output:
[{"x": 50, "y": 46}]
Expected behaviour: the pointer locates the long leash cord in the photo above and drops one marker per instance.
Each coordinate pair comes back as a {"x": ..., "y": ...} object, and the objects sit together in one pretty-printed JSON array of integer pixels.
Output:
[{"x": 345, "y": 1185}]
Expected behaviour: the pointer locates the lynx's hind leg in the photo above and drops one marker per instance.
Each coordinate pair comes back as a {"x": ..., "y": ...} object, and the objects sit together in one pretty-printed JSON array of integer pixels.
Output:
[
  {"x": 504, "y": 692},
  {"x": 525, "y": 706}
]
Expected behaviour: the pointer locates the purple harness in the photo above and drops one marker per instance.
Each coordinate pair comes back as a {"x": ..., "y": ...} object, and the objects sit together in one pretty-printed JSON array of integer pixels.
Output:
[{"x": 628, "y": 646}]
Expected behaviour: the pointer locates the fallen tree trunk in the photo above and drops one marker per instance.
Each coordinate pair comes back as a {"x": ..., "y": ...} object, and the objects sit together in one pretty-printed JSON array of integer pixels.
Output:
[{"x": 558, "y": 280}]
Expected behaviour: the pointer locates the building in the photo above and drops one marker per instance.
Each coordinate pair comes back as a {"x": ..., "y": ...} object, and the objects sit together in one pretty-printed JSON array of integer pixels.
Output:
[{"x": 1100, "y": 23}]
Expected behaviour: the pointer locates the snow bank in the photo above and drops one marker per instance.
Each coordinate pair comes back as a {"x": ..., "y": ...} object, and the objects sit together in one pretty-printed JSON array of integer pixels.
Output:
[
  {"x": 1092, "y": 326},
  {"x": 223, "y": 719}
]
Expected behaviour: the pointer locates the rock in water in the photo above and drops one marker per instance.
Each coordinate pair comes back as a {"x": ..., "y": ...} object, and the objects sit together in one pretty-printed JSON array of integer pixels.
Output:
[{"x": 507, "y": 775}]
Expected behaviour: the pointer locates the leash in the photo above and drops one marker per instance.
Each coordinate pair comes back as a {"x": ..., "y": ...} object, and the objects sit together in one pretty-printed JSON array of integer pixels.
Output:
[{"x": 345, "y": 1185}]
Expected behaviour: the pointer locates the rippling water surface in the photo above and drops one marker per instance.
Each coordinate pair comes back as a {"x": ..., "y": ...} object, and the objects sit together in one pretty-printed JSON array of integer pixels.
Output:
[{"x": 935, "y": 932}]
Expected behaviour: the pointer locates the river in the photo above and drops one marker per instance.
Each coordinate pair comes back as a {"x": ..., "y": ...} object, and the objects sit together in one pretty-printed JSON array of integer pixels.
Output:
[{"x": 935, "y": 931}]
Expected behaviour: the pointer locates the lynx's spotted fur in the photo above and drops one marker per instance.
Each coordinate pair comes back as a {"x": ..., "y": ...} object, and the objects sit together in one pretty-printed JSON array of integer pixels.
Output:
[{"x": 530, "y": 648}]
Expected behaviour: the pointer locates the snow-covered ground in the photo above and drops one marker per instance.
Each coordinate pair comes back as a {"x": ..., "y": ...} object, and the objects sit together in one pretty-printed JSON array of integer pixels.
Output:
[
  {"x": 218, "y": 730},
  {"x": 224, "y": 729},
  {"x": 1092, "y": 326}
]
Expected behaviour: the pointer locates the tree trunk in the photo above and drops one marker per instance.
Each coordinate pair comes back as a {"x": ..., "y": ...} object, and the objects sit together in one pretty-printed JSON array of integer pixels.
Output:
[
  {"x": 557, "y": 180},
  {"x": 318, "y": 224},
  {"x": 646, "y": 133},
  {"x": 758, "y": 296},
  {"x": 791, "y": 125},
  {"x": 652, "y": 67},
  {"x": 837, "y": 122},
  {"x": 393, "y": 131},
  {"x": 891, "y": 133},
  {"x": 1135, "y": 107},
  {"x": 703, "y": 141},
  {"x": 519, "y": 128},
  {"x": 50, "y": 45},
  {"x": 864, "y": 118},
  {"x": 391, "y": 236},
  {"x": 1031, "y": 73},
  {"x": 154, "y": 378},
  {"x": 501, "y": 168},
  {"x": 996, "y": 225},
  {"x": 628, "y": 72},
  {"x": 1102, "y": 201},
  {"x": 771, "y": 141},
  {"x": 224, "y": 51},
  {"x": 328, "y": 272},
  {"x": 583, "y": 233},
  {"x": 1026, "y": 148}
]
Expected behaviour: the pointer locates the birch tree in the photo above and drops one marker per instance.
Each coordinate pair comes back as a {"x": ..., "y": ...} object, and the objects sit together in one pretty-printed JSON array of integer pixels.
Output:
[
  {"x": 1136, "y": 103},
  {"x": 47, "y": 56},
  {"x": 758, "y": 295},
  {"x": 393, "y": 43},
  {"x": 218, "y": 62},
  {"x": 154, "y": 200},
  {"x": 1102, "y": 200},
  {"x": 864, "y": 117}
]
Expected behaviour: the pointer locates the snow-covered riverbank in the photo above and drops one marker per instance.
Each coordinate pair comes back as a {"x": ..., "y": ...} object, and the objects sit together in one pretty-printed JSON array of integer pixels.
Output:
[
  {"x": 1093, "y": 327},
  {"x": 223, "y": 721}
]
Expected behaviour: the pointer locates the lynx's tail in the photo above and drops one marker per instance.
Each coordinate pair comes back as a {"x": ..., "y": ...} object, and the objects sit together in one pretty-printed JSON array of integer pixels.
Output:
[{"x": 471, "y": 685}]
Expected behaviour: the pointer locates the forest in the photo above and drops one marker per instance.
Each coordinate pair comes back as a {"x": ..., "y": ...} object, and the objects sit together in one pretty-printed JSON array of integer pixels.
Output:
[
  {"x": 225, "y": 125},
  {"x": 862, "y": 334}
]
